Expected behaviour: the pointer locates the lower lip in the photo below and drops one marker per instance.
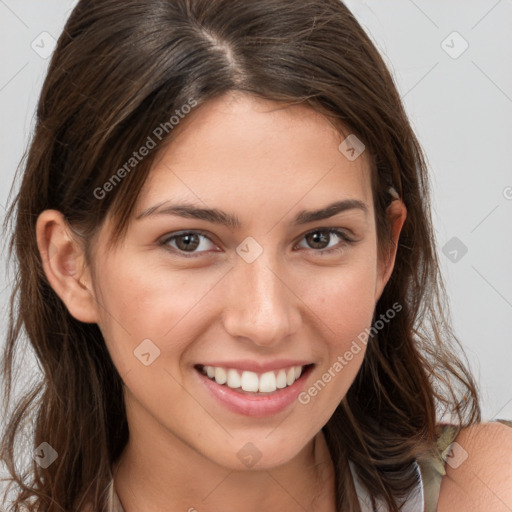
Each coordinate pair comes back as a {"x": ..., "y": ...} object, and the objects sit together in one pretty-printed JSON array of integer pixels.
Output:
[{"x": 256, "y": 406}]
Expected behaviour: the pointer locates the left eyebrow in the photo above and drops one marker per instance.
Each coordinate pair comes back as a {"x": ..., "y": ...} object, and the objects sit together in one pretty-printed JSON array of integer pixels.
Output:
[
  {"x": 214, "y": 215},
  {"x": 305, "y": 216}
]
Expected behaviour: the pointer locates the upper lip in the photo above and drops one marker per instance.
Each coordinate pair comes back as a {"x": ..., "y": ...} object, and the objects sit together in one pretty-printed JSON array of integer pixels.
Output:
[{"x": 257, "y": 367}]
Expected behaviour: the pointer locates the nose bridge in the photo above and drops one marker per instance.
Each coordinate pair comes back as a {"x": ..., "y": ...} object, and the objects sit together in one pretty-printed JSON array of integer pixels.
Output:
[{"x": 261, "y": 307}]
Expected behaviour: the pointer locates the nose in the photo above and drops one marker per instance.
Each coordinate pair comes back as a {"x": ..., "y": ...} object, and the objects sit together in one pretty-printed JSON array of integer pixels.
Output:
[{"x": 262, "y": 306}]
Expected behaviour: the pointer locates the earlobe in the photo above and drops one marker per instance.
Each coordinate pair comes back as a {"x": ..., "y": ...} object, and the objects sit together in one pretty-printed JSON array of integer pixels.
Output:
[
  {"x": 397, "y": 213},
  {"x": 64, "y": 265}
]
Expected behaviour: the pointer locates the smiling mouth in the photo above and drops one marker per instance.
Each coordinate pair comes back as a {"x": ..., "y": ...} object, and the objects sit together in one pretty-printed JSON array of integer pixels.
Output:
[{"x": 252, "y": 383}]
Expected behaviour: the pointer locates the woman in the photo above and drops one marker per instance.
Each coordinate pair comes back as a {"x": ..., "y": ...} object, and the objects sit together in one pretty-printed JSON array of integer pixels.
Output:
[{"x": 228, "y": 274}]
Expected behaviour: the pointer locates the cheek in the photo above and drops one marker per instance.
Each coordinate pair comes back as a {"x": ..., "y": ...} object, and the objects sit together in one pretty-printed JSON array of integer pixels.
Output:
[
  {"x": 140, "y": 303},
  {"x": 343, "y": 298},
  {"x": 342, "y": 302}
]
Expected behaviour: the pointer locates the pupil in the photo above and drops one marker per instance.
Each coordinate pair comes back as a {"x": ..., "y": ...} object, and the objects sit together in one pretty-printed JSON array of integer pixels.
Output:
[
  {"x": 319, "y": 237},
  {"x": 189, "y": 244}
]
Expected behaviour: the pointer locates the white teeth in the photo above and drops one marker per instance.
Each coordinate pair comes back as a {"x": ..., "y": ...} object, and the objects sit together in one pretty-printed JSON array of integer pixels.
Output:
[
  {"x": 233, "y": 379},
  {"x": 266, "y": 382},
  {"x": 220, "y": 375},
  {"x": 281, "y": 379},
  {"x": 249, "y": 381}
]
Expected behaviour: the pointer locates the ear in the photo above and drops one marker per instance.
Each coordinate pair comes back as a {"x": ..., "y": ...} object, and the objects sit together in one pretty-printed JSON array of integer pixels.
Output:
[
  {"x": 65, "y": 266},
  {"x": 396, "y": 213}
]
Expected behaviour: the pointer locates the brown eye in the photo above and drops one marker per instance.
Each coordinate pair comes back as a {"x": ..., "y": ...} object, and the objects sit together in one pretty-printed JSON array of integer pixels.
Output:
[
  {"x": 317, "y": 239},
  {"x": 320, "y": 238},
  {"x": 187, "y": 242}
]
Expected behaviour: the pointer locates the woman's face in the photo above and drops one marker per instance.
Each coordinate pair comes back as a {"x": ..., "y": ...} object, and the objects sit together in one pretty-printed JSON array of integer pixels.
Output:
[{"x": 252, "y": 299}]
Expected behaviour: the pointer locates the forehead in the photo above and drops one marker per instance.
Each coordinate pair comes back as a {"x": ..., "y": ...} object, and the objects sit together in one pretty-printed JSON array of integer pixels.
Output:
[{"x": 251, "y": 153}]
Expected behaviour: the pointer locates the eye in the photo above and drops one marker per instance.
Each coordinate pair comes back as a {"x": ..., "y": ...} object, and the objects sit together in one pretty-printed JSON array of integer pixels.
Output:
[
  {"x": 186, "y": 242},
  {"x": 319, "y": 237}
]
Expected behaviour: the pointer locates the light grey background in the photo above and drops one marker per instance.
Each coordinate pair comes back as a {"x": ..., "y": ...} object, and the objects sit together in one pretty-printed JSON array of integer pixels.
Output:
[{"x": 460, "y": 108}]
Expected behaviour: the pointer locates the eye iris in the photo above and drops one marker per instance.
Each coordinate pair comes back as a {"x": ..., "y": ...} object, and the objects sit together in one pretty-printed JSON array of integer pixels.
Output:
[
  {"x": 190, "y": 246},
  {"x": 318, "y": 237}
]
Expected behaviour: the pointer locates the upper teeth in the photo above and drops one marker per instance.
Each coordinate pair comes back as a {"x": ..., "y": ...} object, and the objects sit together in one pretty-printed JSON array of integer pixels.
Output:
[{"x": 250, "y": 381}]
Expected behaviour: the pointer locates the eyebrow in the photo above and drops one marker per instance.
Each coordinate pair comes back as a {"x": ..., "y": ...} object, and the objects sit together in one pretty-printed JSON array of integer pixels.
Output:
[{"x": 214, "y": 215}]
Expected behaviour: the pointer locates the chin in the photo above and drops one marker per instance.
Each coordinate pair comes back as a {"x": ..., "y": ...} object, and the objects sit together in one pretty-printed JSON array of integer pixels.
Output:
[{"x": 261, "y": 453}]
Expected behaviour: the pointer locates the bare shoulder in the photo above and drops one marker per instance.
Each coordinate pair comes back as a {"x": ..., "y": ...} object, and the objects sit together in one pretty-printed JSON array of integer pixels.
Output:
[{"x": 479, "y": 470}]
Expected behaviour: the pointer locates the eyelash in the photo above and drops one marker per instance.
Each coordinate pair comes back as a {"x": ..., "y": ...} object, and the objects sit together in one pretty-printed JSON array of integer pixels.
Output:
[{"x": 345, "y": 241}]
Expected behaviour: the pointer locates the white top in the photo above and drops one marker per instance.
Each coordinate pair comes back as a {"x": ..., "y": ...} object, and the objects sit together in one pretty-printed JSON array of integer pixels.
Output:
[{"x": 414, "y": 501}]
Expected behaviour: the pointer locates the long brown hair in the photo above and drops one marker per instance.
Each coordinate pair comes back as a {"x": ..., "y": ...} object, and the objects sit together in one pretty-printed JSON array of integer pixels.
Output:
[{"x": 119, "y": 70}]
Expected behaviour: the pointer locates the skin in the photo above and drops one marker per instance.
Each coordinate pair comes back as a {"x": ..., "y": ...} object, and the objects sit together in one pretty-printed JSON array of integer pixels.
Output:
[
  {"x": 264, "y": 163},
  {"x": 483, "y": 481}
]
